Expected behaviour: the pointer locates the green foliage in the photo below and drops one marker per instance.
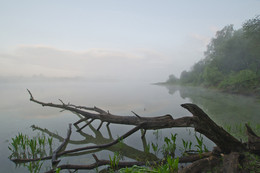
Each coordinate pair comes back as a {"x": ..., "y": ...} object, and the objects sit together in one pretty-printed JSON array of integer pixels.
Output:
[
  {"x": 242, "y": 79},
  {"x": 231, "y": 61},
  {"x": 155, "y": 148},
  {"x": 251, "y": 163},
  {"x": 170, "y": 146},
  {"x": 136, "y": 169},
  {"x": 186, "y": 146},
  {"x": 212, "y": 75},
  {"x": 147, "y": 148},
  {"x": 34, "y": 167},
  {"x": 252, "y": 28},
  {"x": 24, "y": 147},
  {"x": 200, "y": 146},
  {"x": 58, "y": 170},
  {"x": 114, "y": 161},
  {"x": 171, "y": 166}
]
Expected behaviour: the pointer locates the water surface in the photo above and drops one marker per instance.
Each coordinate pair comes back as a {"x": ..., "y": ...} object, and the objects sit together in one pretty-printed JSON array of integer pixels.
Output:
[{"x": 17, "y": 113}]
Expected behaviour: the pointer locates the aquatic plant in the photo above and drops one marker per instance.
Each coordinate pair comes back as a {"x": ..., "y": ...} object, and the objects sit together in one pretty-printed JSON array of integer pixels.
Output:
[
  {"x": 186, "y": 146},
  {"x": 114, "y": 161},
  {"x": 155, "y": 148},
  {"x": 24, "y": 147},
  {"x": 34, "y": 167},
  {"x": 170, "y": 146}
]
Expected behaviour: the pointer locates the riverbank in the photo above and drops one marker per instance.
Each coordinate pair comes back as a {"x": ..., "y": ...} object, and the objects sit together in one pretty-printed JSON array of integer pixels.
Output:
[{"x": 250, "y": 92}]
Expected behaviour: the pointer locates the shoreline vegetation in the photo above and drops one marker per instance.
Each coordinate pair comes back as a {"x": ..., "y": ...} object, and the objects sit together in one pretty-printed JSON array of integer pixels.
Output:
[{"x": 231, "y": 62}]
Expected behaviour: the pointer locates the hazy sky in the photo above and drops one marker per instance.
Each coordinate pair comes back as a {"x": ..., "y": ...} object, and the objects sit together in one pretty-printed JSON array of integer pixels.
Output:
[{"x": 112, "y": 39}]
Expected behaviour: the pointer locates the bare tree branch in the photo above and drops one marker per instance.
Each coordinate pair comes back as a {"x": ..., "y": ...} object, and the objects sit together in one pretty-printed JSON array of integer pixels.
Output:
[
  {"x": 54, "y": 155},
  {"x": 199, "y": 120}
]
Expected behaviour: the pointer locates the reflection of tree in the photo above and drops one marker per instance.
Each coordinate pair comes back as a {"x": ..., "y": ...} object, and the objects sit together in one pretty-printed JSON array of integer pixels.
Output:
[
  {"x": 99, "y": 139},
  {"x": 222, "y": 107}
]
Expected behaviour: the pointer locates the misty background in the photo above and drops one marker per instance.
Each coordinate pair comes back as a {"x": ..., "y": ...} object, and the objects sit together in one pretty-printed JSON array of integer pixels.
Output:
[{"x": 111, "y": 40}]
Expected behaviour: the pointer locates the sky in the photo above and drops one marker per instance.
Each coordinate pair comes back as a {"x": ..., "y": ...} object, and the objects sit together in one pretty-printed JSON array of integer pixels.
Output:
[{"x": 117, "y": 40}]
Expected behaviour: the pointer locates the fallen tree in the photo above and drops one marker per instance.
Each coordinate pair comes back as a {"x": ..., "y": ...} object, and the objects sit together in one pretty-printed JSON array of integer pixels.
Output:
[{"x": 227, "y": 146}]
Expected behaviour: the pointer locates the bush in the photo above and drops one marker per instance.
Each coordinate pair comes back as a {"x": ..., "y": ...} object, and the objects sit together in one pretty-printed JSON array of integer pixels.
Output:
[{"x": 244, "y": 79}]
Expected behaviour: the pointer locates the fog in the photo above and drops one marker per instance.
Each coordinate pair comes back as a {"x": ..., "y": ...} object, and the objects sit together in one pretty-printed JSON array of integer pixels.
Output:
[
  {"x": 111, "y": 40},
  {"x": 94, "y": 64}
]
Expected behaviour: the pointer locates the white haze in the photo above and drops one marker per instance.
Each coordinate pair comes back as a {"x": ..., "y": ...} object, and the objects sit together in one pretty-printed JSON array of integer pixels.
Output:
[
  {"x": 97, "y": 63},
  {"x": 111, "y": 40}
]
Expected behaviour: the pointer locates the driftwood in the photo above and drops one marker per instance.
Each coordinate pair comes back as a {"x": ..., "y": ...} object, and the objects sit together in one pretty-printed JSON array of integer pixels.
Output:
[
  {"x": 253, "y": 140},
  {"x": 231, "y": 162},
  {"x": 122, "y": 164},
  {"x": 54, "y": 155},
  {"x": 227, "y": 145},
  {"x": 200, "y": 121}
]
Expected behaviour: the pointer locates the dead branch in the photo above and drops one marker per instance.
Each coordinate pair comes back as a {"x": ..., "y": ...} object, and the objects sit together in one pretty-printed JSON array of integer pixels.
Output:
[
  {"x": 123, "y": 164},
  {"x": 202, "y": 165},
  {"x": 231, "y": 162},
  {"x": 54, "y": 155},
  {"x": 159, "y": 122},
  {"x": 200, "y": 121},
  {"x": 211, "y": 130},
  {"x": 192, "y": 158},
  {"x": 83, "y": 148},
  {"x": 97, "y": 163},
  {"x": 253, "y": 140}
]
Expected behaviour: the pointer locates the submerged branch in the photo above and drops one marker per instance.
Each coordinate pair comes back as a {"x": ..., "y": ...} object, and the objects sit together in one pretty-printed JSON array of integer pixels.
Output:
[
  {"x": 83, "y": 148},
  {"x": 54, "y": 155},
  {"x": 199, "y": 120}
]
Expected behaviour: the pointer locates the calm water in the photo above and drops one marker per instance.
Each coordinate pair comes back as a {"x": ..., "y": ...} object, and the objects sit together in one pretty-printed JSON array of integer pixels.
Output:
[{"x": 17, "y": 114}]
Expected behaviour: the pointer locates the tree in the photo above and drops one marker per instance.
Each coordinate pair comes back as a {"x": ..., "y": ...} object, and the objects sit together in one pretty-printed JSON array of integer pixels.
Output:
[
  {"x": 212, "y": 75},
  {"x": 228, "y": 58},
  {"x": 214, "y": 47},
  {"x": 172, "y": 79},
  {"x": 251, "y": 30}
]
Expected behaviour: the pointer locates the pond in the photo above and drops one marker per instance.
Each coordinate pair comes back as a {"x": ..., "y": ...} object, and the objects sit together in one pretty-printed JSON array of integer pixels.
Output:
[{"x": 18, "y": 114}]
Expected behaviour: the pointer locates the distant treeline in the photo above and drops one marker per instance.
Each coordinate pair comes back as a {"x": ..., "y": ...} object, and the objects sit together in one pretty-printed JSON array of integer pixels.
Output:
[{"x": 231, "y": 61}]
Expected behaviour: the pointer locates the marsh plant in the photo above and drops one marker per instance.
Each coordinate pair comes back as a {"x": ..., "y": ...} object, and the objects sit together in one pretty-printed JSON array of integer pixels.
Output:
[
  {"x": 114, "y": 160},
  {"x": 186, "y": 147},
  {"x": 171, "y": 166},
  {"x": 29, "y": 148},
  {"x": 201, "y": 147},
  {"x": 170, "y": 146},
  {"x": 170, "y": 162},
  {"x": 22, "y": 146},
  {"x": 34, "y": 167},
  {"x": 155, "y": 148},
  {"x": 147, "y": 148}
]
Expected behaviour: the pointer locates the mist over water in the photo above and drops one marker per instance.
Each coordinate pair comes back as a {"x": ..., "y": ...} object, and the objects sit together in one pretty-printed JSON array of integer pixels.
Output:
[{"x": 17, "y": 113}]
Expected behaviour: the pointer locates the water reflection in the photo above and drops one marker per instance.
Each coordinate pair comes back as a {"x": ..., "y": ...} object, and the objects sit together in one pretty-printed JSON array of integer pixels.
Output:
[
  {"x": 18, "y": 114},
  {"x": 124, "y": 149},
  {"x": 223, "y": 108}
]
